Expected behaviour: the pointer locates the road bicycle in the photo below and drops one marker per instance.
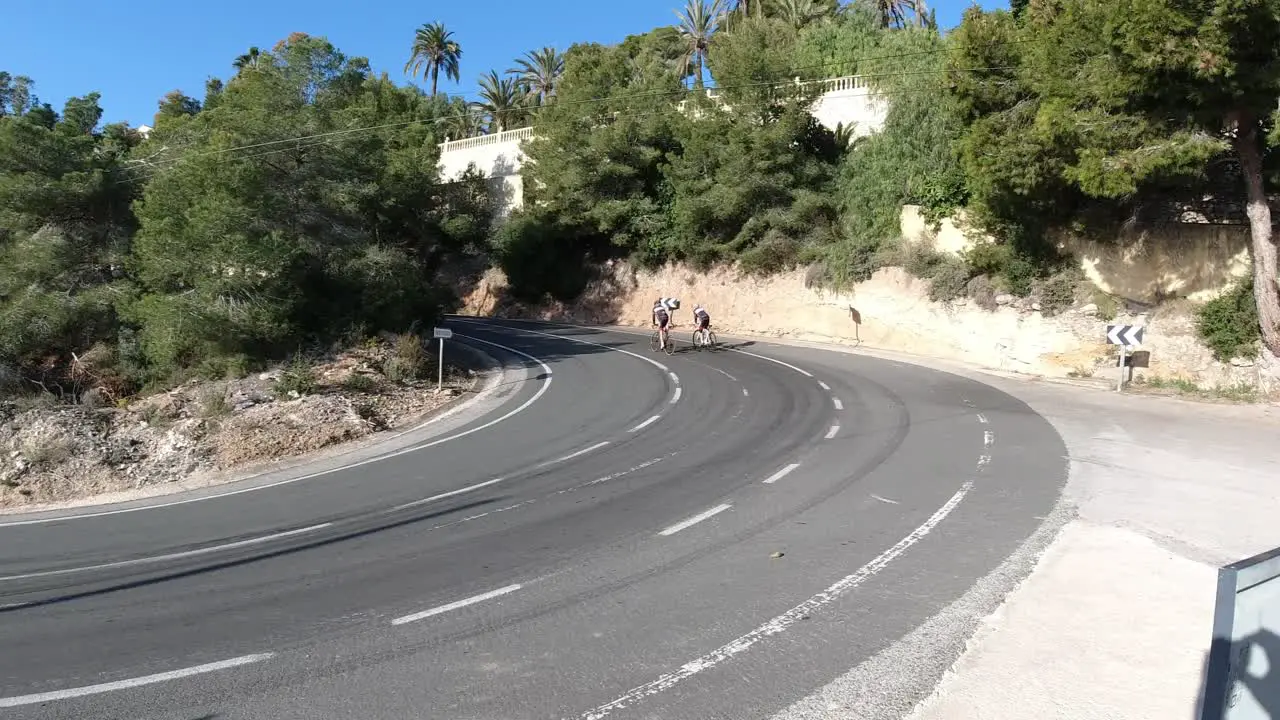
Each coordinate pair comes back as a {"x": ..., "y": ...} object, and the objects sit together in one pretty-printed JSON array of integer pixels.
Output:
[
  {"x": 655, "y": 341},
  {"x": 704, "y": 339}
]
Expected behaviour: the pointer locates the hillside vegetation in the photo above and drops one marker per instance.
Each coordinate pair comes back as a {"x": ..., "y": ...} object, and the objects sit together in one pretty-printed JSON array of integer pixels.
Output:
[
  {"x": 298, "y": 203},
  {"x": 1062, "y": 114}
]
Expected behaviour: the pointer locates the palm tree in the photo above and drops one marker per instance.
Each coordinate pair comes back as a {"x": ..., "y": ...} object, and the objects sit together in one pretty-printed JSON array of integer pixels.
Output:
[
  {"x": 893, "y": 13},
  {"x": 502, "y": 99},
  {"x": 698, "y": 23},
  {"x": 799, "y": 13},
  {"x": 463, "y": 121},
  {"x": 540, "y": 70},
  {"x": 433, "y": 50},
  {"x": 247, "y": 61}
]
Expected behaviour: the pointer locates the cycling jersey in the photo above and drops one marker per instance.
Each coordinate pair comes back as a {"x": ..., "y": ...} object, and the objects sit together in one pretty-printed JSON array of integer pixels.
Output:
[
  {"x": 701, "y": 319},
  {"x": 660, "y": 315}
]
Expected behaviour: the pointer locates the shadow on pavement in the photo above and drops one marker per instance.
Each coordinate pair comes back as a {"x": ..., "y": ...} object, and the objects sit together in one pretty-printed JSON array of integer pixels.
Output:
[
  {"x": 341, "y": 537},
  {"x": 1242, "y": 687}
]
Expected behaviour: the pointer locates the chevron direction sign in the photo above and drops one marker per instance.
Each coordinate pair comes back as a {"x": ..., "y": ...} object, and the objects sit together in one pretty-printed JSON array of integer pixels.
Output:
[{"x": 1130, "y": 335}]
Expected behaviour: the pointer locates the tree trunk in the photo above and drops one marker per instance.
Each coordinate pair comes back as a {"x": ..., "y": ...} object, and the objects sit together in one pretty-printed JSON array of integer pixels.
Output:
[
  {"x": 697, "y": 81},
  {"x": 1265, "y": 291},
  {"x": 435, "y": 75}
]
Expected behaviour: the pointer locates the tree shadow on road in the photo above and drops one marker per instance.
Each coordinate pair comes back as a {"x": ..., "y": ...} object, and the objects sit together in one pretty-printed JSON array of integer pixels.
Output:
[{"x": 372, "y": 529}]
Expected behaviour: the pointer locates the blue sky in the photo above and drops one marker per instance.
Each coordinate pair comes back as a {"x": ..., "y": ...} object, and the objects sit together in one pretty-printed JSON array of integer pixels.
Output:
[{"x": 135, "y": 52}]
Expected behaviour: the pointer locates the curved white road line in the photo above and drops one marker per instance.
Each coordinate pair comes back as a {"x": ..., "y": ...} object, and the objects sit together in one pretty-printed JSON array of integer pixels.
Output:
[
  {"x": 645, "y": 424},
  {"x": 170, "y": 556},
  {"x": 783, "y": 621},
  {"x": 572, "y": 455},
  {"x": 803, "y": 372},
  {"x": 638, "y": 356},
  {"x": 675, "y": 396},
  {"x": 456, "y": 605},
  {"x": 135, "y": 682},
  {"x": 781, "y": 473},
  {"x": 451, "y": 493},
  {"x": 524, "y": 406}
]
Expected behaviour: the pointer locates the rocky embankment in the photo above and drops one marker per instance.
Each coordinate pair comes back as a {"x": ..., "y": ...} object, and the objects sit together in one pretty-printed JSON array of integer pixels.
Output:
[{"x": 202, "y": 432}]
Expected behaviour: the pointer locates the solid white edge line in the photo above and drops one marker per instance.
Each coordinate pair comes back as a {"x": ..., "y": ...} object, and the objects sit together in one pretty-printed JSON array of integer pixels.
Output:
[
  {"x": 988, "y": 437},
  {"x": 823, "y": 385},
  {"x": 982, "y": 418},
  {"x": 781, "y": 473},
  {"x": 836, "y": 401},
  {"x": 132, "y": 683},
  {"x": 806, "y": 373},
  {"x": 832, "y": 432},
  {"x": 645, "y": 424},
  {"x": 524, "y": 406},
  {"x": 573, "y": 455},
  {"x": 745, "y": 393},
  {"x": 458, "y": 604},
  {"x": 674, "y": 378},
  {"x": 684, "y": 524},
  {"x": 169, "y": 556},
  {"x": 449, "y": 494},
  {"x": 783, "y": 621},
  {"x": 675, "y": 396}
]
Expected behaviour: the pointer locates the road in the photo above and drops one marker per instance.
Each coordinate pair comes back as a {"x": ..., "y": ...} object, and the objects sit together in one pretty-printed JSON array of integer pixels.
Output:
[{"x": 788, "y": 513}]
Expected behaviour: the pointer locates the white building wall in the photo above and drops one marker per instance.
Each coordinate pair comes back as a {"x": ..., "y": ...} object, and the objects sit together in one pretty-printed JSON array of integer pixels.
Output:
[{"x": 848, "y": 101}]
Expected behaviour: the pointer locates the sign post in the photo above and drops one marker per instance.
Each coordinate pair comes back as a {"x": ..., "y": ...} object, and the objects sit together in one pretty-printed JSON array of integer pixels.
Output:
[
  {"x": 1124, "y": 336},
  {"x": 441, "y": 334}
]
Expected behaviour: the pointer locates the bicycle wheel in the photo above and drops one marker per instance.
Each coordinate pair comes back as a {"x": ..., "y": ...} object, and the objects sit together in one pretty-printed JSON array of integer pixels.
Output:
[
  {"x": 696, "y": 340},
  {"x": 671, "y": 345},
  {"x": 711, "y": 340},
  {"x": 654, "y": 339}
]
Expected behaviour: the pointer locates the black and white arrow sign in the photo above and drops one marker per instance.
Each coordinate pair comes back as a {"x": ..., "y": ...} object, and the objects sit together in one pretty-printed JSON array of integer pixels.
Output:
[{"x": 1124, "y": 335}]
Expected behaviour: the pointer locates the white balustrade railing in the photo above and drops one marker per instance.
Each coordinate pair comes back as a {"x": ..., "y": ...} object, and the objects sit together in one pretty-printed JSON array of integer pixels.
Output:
[{"x": 523, "y": 133}]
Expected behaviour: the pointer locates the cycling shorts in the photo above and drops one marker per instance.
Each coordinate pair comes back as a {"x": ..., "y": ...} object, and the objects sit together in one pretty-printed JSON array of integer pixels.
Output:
[
  {"x": 663, "y": 320},
  {"x": 704, "y": 322}
]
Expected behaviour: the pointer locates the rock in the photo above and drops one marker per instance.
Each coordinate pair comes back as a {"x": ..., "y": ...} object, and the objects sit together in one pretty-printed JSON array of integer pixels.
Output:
[
  {"x": 1089, "y": 309},
  {"x": 1242, "y": 362},
  {"x": 1004, "y": 299},
  {"x": 1035, "y": 306}
]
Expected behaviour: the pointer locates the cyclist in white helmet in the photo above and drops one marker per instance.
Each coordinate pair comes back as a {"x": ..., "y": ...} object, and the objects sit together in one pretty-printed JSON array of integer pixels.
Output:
[{"x": 701, "y": 320}]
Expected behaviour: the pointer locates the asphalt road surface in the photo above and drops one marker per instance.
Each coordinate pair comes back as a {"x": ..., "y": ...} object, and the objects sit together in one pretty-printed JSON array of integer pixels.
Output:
[{"x": 703, "y": 535}]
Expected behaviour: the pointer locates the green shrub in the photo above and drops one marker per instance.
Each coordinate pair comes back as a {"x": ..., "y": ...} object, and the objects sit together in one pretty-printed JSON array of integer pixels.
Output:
[
  {"x": 921, "y": 261},
  {"x": 950, "y": 280},
  {"x": 983, "y": 292},
  {"x": 213, "y": 402},
  {"x": 298, "y": 378},
  {"x": 1108, "y": 306},
  {"x": 1014, "y": 273},
  {"x": 356, "y": 382},
  {"x": 1057, "y": 293},
  {"x": 1228, "y": 324},
  {"x": 408, "y": 359}
]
